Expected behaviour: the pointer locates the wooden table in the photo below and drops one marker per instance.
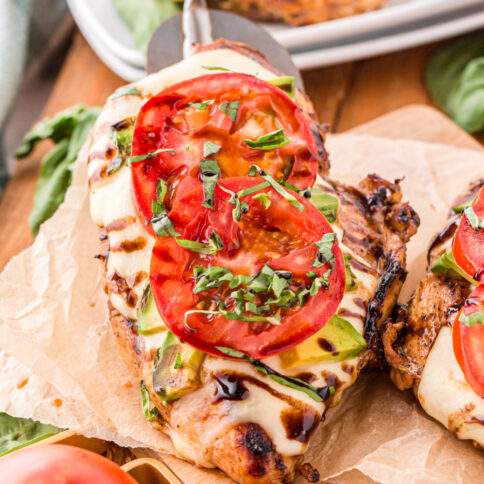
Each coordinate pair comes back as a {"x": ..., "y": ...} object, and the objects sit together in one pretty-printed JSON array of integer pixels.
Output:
[{"x": 344, "y": 96}]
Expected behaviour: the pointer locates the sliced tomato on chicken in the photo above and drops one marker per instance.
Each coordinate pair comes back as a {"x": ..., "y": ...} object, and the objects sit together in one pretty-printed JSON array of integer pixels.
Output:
[
  {"x": 265, "y": 282},
  {"x": 468, "y": 340},
  {"x": 468, "y": 244},
  {"x": 222, "y": 117}
]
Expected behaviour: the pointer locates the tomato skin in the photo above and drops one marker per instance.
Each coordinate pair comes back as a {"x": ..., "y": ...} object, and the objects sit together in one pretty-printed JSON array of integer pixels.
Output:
[
  {"x": 468, "y": 342},
  {"x": 160, "y": 125},
  {"x": 172, "y": 280},
  {"x": 468, "y": 243},
  {"x": 47, "y": 464}
]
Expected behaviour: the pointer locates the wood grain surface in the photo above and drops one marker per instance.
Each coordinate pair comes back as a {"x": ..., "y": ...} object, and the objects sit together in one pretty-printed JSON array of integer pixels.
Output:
[{"x": 344, "y": 97}]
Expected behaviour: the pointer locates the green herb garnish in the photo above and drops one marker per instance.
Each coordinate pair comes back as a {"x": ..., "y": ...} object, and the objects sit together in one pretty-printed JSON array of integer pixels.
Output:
[
  {"x": 147, "y": 156},
  {"x": 475, "y": 222},
  {"x": 327, "y": 204},
  {"x": 325, "y": 253},
  {"x": 263, "y": 198},
  {"x": 269, "y": 141},
  {"x": 209, "y": 174},
  {"x": 255, "y": 170},
  {"x": 473, "y": 319},
  {"x": 458, "y": 209},
  {"x": 162, "y": 225},
  {"x": 125, "y": 91},
  {"x": 230, "y": 109},
  {"x": 149, "y": 410},
  {"x": 202, "y": 105},
  {"x": 210, "y": 148},
  {"x": 213, "y": 245},
  {"x": 216, "y": 68}
]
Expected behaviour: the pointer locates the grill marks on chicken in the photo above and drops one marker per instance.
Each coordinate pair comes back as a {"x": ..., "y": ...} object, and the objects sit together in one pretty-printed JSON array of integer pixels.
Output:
[
  {"x": 377, "y": 225},
  {"x": 409, "y": 340}
]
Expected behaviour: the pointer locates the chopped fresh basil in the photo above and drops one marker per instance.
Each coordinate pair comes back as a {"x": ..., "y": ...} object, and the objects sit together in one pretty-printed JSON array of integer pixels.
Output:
[
  {"x": 211, "y": 277},
  {"x": 474, "y": 221},
  {"x": 203, "y": 105},
  {"x": 253, "y": 189},
  {"x": 147, "y": 156},
  {"x": 254, "y": 169},
  {"x": 350, "y": 278},
  {"x": 460, "y": 208},
  {"x": 162, "y": 225},
  {"x": 149, "y": 410},
  {"x": 474, "y": 319},
  {"x": 216, "y": 68},
  {"x": 325, "y": 250},
  {"x": 263, "y": 198},
  {"x": 213, "y": 246},
  {"x": 230, "y": 109},
  {"x": 447, "y": 266},
  {"x": 125, "y": 91},
  {"x": 316, "y": 394},
  {"x": 210, "y": 148},
  {"x": 327, "y": 204},
  {"x": 269, "y": 141},
  {"x": 122, "y": 138},
  {"x": 209, "y": 173},
  {"x": 285, "y": 83}
]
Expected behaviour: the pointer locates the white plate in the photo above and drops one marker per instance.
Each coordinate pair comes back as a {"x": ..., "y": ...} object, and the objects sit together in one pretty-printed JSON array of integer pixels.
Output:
[
  {"x": 362, "y": 49},
  {"x": 428, "y": 30},
  {"x": 103, "y": 23},
  {"x": 395, "y": 14}
]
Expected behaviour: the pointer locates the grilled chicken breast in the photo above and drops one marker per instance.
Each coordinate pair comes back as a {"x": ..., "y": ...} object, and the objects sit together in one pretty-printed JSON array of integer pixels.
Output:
[
  {"x": 418, "y": 345},
  {"x": 235, "y": 418},
  {"x": 298, "y": 12}
]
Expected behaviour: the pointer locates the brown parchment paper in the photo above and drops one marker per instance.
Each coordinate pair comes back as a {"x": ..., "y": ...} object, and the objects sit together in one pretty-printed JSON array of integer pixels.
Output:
[{"x": 53, "y": 331}]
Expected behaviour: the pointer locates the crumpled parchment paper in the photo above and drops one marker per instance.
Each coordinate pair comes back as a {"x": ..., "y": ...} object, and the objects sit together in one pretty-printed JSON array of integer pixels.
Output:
[{"x": 53, "y": 331}]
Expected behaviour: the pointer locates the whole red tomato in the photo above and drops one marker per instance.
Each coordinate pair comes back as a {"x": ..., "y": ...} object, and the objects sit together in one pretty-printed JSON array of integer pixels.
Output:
[{"x": 60, "y": 464}]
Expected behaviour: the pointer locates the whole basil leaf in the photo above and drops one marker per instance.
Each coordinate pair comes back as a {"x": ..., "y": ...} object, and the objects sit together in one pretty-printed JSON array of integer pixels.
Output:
[
  {"x": 16, "y": 433},
  {"x": 143, "y": 16},
  {"x": 455, "y": 80},
  {"x": 68, "y": 129}
]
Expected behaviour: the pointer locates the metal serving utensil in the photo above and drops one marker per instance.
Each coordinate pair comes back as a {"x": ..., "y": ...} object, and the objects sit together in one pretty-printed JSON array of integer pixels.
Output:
[{"x": 174, "y": 39}]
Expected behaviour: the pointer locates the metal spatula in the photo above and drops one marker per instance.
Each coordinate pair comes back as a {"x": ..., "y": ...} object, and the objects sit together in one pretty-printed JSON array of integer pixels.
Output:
[{"x": 174, "y": 39}]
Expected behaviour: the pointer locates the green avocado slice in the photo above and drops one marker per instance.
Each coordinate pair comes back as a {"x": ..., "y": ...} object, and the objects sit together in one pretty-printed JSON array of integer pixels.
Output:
[{"x": 337, "y": 340}]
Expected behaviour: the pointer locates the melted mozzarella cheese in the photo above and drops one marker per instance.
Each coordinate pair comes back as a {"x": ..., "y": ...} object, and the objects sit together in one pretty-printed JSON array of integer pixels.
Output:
[
  {"x": 111, "y": 201},
  {"x": 445, "y": 394}
]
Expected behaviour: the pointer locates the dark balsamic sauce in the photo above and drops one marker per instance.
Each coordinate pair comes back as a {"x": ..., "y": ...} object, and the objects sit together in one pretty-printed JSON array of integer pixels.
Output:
[
  {"x": 326, "y": 345},
  {"x": 230, "y": 387},
  {"x": 299, "y": 424}
]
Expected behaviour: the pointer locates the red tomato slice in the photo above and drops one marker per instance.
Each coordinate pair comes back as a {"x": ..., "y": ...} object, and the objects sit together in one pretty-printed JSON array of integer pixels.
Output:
[
  {"x": 468, "y": 244},
  {"x": 468, "y": 341},
  {"x": 46, "y": 464},
  {"x": 280, "y": 236},
  {"x": 187, "y": 115}
]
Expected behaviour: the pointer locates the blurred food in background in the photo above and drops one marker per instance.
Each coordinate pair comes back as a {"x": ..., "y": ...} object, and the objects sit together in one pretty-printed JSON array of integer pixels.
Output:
[{"x": 298, "y": 12}]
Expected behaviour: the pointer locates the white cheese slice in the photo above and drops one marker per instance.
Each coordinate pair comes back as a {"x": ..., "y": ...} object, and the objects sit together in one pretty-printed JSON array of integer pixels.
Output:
[{"x": 445, "y": 394}]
